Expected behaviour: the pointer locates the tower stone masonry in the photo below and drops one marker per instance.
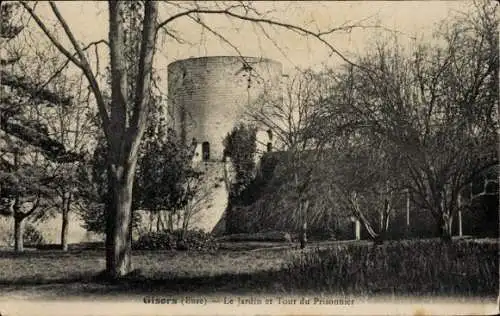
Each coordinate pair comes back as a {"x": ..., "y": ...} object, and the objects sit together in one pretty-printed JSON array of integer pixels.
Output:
[{"x": 207, "y": 97}]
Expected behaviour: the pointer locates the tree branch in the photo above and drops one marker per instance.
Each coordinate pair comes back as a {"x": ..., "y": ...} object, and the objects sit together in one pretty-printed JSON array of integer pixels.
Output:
[
  {"x": 198, "y": 20},
  {"x": 52, "y": 39},
  {"x": 119, "y": 80},
  {"x": 295, "y": 28},
  {"x": 84, "y": 65},
  {"x": 66, "y": 63},
  {"x": 144, "y": 74},
  {"x": 28, "y": 87}
]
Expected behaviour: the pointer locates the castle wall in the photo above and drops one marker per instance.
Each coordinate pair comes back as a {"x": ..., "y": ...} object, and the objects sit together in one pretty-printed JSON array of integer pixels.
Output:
[{"x": 50, "y": 229}]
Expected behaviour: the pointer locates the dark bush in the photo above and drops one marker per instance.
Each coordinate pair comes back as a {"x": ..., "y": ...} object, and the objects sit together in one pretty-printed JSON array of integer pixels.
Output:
[
  {"x": 192, "y": 240},
  {"x": 156, "y": 240},
  {"x": 197, "y": 240},
  {"x": 32, "y": 237}
]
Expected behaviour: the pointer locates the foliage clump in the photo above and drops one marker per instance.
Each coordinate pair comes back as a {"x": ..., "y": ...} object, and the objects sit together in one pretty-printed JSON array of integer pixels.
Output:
[
  {"x": 32, "y": 237},
  {"x": 191, "y": 240}
]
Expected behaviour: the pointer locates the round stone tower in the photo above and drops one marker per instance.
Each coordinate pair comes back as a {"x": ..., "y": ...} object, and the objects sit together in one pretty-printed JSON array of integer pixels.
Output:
[{"x": 209, "y": 95}]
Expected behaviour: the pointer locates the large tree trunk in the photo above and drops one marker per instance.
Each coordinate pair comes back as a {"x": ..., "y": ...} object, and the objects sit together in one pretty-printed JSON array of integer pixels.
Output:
[
  {"x": 18, "y": 234},
  {"x": 119, "y": 216},
  {"x": 124, "y": 132}
]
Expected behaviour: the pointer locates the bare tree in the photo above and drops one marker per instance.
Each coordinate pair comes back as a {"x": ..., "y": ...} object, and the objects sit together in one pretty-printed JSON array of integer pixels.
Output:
[
  {"x": 287, "y": 114},
  {"x": 198, "y": 194},
  {"x": 74, "y": 127},
  {"x": 365, "y": 181},
  {"x": 290, "y": 118},
  {"x": 437, "y": 106}
]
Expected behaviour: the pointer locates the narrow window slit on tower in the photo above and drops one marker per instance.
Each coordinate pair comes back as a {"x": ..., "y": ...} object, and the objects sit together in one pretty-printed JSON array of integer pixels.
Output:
[
  {"x": 270, "y": 134},
  {"x": 205, "y": 149}
]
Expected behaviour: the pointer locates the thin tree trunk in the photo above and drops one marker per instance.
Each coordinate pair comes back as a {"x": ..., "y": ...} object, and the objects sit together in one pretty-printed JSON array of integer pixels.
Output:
[
  {"x": 408, "y": 227},
  {"x": 408, "y": 207},
  {"x": 65, "y": 223},
  {"x": 459, "y": 205},
  {"x": 445, "y": 227},
  {"x": 178, "y": 223},
  {"x": 460, "y": 227},
  {"x": 151, "y": 220},
  {"x": 387, "y": 222},
  {"x": 158, "y": 221},
  {"x": 450, "y": 225},
  {"x": 171, "y": 221},
  {"x": 384, "y": 225},
  {"x": 357, "y": 229},
  {"x": 382, "y": 221},
  {"x": 64, "y": 229},
  {"x": 185, "y": 220},
  {"x": 18, "y": 216},
  {"x": 358, "y": 214},
  {"x": 303, "y": 233},
  {"x": 164, "y": 221},
  {"x": 18, "y": 234}
]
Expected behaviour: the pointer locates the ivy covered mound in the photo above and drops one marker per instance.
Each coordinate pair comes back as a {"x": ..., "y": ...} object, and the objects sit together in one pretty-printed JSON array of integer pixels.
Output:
[{"x": 193, "y": 240}]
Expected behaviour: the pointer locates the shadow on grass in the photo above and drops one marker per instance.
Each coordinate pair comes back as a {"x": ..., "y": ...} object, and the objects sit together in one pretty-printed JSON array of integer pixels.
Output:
[
  {"x": 255, "y": 283},
  {"x": 93, "y": 285},
  {"x": 53, "y": 253}
]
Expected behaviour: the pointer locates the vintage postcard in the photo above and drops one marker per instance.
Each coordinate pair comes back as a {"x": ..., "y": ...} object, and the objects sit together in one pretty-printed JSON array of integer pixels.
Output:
[{"x": 249, "y": 158}]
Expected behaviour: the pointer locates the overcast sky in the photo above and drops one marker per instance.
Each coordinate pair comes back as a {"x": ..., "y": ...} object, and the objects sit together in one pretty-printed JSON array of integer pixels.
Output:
[{"x": 88, "y": 20}]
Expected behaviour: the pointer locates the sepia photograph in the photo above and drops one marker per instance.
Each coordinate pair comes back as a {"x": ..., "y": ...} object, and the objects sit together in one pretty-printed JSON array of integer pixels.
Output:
[{"x": 249, "y": 158}]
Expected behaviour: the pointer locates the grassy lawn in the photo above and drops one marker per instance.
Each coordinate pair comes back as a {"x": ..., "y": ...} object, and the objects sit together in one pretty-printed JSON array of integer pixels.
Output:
[
  {"x": 465, "y": 268},
  {"x": 73, "y": 273}
]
